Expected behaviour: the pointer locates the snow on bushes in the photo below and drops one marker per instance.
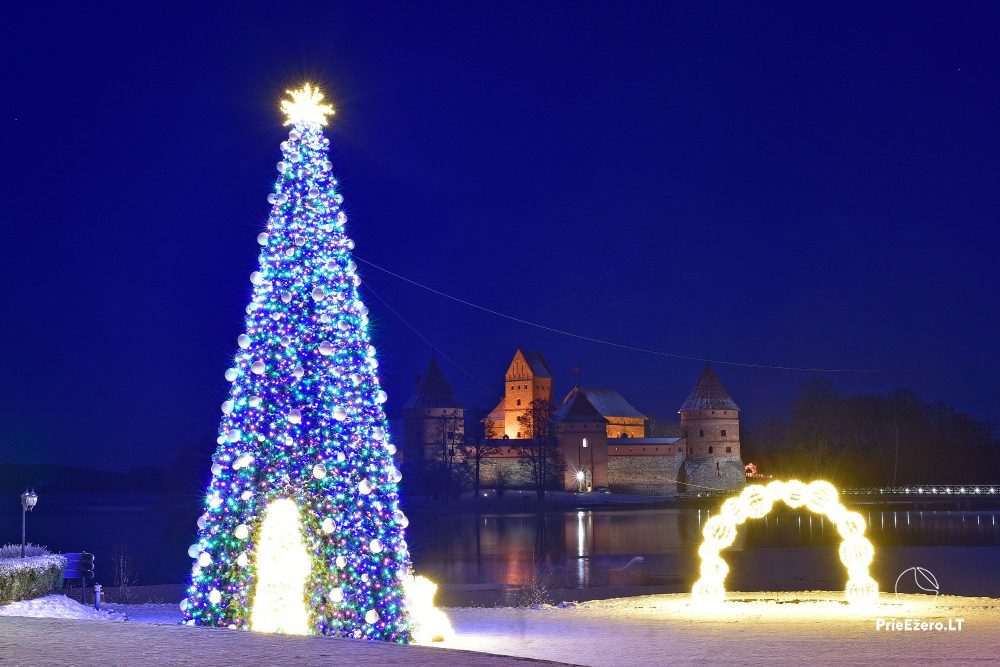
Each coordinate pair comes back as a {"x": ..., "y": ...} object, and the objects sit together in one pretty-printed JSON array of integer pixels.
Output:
[
  {"x": 29, "y": 577},
  {"x": 14, "y": 550}
]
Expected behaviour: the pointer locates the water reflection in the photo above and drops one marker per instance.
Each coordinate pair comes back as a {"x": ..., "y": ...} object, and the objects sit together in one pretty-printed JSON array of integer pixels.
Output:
[
  {"x": 581, "y": 549},
  {"x": 574, "y": 549}
]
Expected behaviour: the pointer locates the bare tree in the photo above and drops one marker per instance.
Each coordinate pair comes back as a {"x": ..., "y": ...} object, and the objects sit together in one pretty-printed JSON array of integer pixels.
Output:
[
  {"x": 123, "y": 574},
  {"x": 539, "y": 450},
  {"x": 448, "y": 453},
  {"x": 481, "y": 448},
  {"x": 500, "y": 482}
]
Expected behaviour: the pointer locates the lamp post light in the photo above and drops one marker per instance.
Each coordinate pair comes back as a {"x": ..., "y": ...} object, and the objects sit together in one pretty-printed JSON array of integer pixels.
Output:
[
  {"x": 579, "y": 460},
  {"x": 579, "y": 480},
  {"x": 28, "y": 501}
]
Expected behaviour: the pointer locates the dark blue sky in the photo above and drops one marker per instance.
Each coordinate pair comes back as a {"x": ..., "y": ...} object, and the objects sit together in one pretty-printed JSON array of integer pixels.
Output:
[{"x": 785, "y": 184}]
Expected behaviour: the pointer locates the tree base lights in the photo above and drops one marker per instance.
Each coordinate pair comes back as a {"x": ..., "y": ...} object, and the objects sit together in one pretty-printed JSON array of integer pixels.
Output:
[
  {"x": 282, "y": 572},
  {"x": 755, "y": 502},
  {"x": 428, "y": 623}
]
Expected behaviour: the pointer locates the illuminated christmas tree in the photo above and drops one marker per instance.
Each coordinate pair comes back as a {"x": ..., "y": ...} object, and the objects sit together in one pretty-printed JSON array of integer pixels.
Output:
[{"x": 302, "y": 531}]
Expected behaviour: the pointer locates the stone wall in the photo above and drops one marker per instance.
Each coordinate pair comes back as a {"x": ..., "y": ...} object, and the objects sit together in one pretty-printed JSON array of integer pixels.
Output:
[
  {"x": 709, "y": 474},
  {"x": 644, "y": 475},
  {"x": 516, "y": 473}
]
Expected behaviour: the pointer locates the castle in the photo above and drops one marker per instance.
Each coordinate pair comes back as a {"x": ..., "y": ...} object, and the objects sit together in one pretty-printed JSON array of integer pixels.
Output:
[{"x": 597, "y": 437}]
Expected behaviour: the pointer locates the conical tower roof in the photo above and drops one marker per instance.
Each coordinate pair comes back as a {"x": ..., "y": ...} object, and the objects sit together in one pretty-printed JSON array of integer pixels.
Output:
[
  {"x": 578, "y": 408},
  {"x": 433, "y": 390},
  {"x": 708, "y": 394}
]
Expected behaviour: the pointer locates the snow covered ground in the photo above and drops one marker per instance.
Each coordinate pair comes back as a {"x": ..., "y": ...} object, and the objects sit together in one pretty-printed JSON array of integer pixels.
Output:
[
  {"x": 772, "y": 629},
  {"x": 775, "y": 629},
  {"x": 57, "y": 606}
]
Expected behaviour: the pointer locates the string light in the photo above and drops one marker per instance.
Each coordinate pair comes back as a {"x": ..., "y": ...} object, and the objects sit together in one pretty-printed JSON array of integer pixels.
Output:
[
  {"x": 303, "y": 439},
  {"x": 755, "y": 502}
]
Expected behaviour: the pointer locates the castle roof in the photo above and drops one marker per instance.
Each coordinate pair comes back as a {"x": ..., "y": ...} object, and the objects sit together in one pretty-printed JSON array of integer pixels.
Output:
[
  {"x": 578, "y": 408},
  {"x": 608, "y": 402},
  {"x": 433, "y": 390},
  {"x": 708, "y": 394},
  {"x": 536, "y": 363}
]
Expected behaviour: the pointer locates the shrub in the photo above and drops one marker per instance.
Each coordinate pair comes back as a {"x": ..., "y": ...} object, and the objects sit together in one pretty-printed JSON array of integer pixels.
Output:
[
  {"x": 30, "y": 577},
  {"x": 534, "y": 593},
  {"x": 14, "y": 550}
]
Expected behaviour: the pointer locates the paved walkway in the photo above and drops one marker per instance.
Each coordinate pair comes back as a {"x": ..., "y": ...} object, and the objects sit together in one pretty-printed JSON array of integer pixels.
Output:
[{"x": 39, "y": 642}]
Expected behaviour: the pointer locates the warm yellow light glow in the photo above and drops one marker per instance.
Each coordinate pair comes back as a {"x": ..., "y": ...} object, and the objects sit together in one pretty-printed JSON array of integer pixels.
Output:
[
  {"x": 282, "y": 570},
  {"x": 305, "y": 106},
  {"x": 430, "y": 624},
  {"x": 856, "y": 552}
]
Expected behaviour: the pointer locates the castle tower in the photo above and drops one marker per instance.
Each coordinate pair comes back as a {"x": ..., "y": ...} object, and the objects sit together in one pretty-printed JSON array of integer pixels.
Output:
[
  {"x": 710, "y": 433},
  {"x": 528, "y": 379},
  {"x": 433, "y": 419},
  {"x": 582, "y": 438}
]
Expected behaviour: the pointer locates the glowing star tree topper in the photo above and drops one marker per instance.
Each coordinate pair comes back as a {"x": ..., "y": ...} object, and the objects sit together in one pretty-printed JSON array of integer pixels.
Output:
[
  {"x": 305, "y": 107},
  {"x": 302, "y": 530}
]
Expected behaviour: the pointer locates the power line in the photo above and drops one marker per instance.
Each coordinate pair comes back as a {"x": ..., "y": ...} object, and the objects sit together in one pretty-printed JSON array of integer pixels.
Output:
[
  {"x": 429, "y": 343},
  {"x": 632, "y": 348}
]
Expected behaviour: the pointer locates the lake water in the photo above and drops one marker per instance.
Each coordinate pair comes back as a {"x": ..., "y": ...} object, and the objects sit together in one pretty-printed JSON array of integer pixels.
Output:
[
  {"x": 657, "y": 548},
  {"x": 586, "y": 551}
]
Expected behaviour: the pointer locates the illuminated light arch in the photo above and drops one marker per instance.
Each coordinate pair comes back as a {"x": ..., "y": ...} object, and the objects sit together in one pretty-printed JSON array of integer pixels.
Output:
[
  {"x": 283, "y": 567},
  {"x": 755, "y": 502}
]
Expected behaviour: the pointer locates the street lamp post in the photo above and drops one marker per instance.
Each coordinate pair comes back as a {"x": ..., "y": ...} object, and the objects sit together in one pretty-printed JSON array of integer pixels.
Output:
[
  {"x": 579, "y": 481},
  {"x": 28, "y": 501}
]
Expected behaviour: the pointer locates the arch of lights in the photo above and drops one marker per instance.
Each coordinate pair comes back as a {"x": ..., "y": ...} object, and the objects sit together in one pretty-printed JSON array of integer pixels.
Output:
[{"x": 755, "y": 502}]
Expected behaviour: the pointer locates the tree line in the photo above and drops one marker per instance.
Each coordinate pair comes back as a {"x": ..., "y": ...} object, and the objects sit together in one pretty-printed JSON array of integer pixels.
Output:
[{"x": 874, "y": 440}]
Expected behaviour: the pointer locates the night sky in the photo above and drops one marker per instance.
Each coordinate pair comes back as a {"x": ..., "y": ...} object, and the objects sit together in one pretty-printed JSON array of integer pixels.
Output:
[{"x": 764, "y": 183}]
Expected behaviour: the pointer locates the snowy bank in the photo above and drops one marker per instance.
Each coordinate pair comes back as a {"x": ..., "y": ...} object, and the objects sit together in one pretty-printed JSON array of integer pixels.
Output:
[{"x": 57, "y": 606}]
